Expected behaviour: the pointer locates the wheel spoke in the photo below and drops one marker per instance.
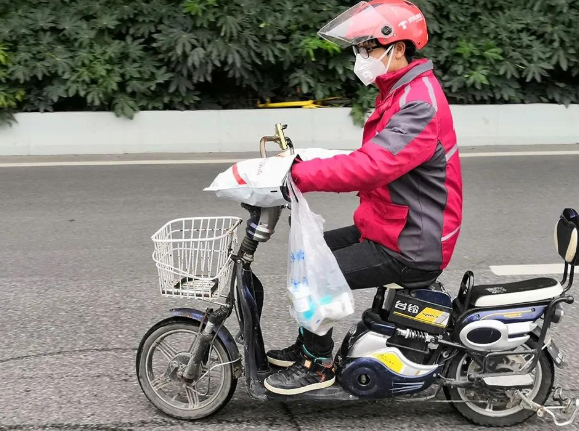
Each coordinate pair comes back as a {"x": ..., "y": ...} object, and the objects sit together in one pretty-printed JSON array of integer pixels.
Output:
[
  {"x": 207, "y": 371},
  {"x": 166, "y": 349},
  {"x": 214, "y": 372},
  {"x": 489, "y": 407},
  {"x": 527, "y": 363},
  {"x": 192, "y": 397},
  {"x": 212, "y": 364},
  {"x": 160, "y": 382}
]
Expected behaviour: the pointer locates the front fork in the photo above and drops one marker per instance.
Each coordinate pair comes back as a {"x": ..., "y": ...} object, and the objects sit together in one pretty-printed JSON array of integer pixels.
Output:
[
  {"x": 203, "y": 341},
  {"x": 246, "y": 292},
  {"x": 246, "y": 295}
]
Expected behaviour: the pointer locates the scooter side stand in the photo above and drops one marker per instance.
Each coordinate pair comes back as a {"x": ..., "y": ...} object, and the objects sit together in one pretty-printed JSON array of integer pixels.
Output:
[{"x": 564, "y": 414}]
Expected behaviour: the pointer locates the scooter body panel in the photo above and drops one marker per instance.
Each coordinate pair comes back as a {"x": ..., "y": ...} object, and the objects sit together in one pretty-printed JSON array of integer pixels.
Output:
[
  {"x": 497, "y": 329},
  {"x": 374, "y": 376},
  {"x": 368, "y": 368}
]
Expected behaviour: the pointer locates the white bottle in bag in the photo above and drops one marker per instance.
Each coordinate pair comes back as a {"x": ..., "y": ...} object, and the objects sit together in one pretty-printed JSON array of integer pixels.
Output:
[
  {"x": 336, "y": 307},
  {"x": 305, "y": 305},
  {"x": 300, "y": 295},
  {"x": 311, "y": 320}
]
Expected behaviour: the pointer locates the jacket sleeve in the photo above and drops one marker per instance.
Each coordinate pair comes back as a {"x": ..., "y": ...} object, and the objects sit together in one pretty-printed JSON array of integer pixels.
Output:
[{"x": 408, "y": 140}]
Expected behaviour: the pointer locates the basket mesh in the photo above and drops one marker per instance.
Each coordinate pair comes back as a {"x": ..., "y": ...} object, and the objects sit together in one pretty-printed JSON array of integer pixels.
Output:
[{"x": 193, "y": 256}]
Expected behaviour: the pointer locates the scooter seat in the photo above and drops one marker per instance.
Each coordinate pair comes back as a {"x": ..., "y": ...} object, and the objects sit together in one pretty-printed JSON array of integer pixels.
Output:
[
  {"x": 534, "y": 290},
  {"x": 423, "y": 283}
]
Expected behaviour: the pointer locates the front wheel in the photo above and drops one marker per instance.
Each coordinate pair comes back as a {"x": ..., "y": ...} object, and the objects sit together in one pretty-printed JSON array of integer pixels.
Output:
[
  {"x": 161, "y": 358},
  {"x": 495, "y": 407}
]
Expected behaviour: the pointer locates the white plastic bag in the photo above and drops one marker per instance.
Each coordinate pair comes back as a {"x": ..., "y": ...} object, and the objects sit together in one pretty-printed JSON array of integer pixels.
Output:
[
  {"x": 258, "y": 181},
  {"x": 254, "y": 181},
  {"x": 318, "y": 291}
]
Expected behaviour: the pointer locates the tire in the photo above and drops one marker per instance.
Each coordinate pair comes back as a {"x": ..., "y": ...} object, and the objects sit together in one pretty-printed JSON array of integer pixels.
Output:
[
  {"x": 144, "y": 368},
  {"x": 540, "y": 393}
]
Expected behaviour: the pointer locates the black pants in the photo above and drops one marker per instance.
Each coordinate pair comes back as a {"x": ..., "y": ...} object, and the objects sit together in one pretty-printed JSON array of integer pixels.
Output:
[{"x": 364, "y": 264}]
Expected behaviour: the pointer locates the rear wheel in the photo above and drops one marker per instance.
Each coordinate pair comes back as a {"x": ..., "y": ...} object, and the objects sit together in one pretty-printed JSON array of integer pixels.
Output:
[
  {"x": 161, "y": 358},
  {"x": 493, "y": 407}
]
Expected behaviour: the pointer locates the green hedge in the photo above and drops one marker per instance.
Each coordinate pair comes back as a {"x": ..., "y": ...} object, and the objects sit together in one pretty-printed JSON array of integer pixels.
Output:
[{"x": 70, "y": 55}]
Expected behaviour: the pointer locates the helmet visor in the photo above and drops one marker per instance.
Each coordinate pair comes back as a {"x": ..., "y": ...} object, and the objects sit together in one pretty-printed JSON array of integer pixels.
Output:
[{"x": 358, "y": 24}]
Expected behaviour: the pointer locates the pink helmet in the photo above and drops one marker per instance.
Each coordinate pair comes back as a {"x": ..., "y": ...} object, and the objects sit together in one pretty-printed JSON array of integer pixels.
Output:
[{"x": 387, "y": 21}]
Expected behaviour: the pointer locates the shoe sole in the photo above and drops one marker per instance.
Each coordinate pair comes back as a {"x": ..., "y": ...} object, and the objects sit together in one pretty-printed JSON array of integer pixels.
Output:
[
  {"x": 302, "y": 390},
  {"x": 280, "y": 363}
]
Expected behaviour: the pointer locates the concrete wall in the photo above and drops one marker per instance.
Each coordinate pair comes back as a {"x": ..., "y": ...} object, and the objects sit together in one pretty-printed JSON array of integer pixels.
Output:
[{"x": 240, "y": 130}]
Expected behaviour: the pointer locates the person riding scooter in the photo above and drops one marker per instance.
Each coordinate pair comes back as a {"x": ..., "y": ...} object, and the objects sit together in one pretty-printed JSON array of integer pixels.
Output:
[{"x": 407, "y": 174}]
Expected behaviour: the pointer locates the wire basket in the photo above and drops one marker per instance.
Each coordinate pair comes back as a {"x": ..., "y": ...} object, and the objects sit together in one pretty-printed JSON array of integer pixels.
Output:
[{"x": 193, "y": 256}]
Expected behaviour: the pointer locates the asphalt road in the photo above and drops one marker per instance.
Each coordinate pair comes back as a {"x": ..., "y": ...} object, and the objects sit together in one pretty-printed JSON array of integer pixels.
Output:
[{"x": 78, "y": 289}]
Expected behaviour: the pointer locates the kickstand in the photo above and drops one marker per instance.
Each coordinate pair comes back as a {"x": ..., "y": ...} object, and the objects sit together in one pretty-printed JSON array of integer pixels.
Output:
[{"x": 564, "y": 414}]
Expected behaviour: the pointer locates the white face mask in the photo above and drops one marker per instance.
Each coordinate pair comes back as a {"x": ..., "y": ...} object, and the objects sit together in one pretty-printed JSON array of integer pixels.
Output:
[{"x": 368, "y": 69}]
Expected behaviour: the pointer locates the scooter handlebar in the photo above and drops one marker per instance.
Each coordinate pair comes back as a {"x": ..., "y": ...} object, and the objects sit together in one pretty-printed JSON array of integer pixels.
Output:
[{"x": 279, "y": 138}]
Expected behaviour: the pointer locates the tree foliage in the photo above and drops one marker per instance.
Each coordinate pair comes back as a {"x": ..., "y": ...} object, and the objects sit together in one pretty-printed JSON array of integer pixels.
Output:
[
  {"x": 65, "y": 55},
  {"x": 506, "y": 52}
]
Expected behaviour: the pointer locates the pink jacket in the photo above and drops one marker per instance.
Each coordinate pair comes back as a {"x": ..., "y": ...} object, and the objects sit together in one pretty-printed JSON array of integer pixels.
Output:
[{"x": 407, "y": 171}]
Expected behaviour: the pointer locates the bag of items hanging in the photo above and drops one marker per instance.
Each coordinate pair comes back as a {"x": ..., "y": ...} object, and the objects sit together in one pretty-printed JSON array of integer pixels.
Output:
[{"x": 318, "y": 291}]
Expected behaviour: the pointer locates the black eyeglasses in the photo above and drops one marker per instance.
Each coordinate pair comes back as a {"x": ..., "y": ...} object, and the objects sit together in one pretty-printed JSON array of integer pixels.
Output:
[{"x": 364, "y": 52}]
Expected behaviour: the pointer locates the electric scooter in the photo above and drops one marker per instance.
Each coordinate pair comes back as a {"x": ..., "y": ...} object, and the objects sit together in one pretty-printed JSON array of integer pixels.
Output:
[{"x": 488, "y": 350}]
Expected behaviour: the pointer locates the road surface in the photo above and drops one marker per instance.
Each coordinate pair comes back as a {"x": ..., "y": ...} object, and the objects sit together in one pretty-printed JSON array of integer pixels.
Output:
[{"x": 79, "y": 287}]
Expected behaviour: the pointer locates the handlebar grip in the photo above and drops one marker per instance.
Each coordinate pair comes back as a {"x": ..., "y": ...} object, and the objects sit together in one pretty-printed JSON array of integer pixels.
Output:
[{"x": 264, "y": 140}]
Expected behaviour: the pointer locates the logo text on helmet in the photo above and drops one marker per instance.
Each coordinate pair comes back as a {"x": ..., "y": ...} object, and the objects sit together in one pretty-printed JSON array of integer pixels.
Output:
[{"x": 417, "y": 17}]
